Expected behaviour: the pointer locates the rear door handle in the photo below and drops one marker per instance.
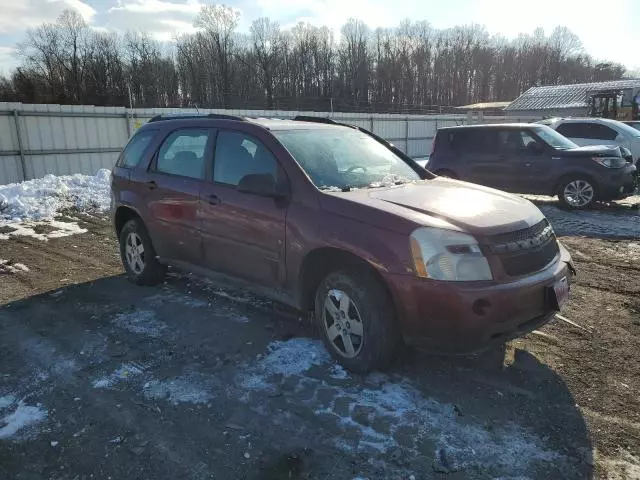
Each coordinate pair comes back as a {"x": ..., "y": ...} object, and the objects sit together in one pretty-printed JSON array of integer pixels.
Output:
[
  {"x": 527, "y": 164},
  {"x": 213, "y": 199},
  {"x": 152, "y": 185}
]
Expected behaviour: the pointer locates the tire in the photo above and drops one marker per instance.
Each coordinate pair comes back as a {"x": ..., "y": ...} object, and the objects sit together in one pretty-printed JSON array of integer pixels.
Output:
[
  {"x": 369, "y": 301},
  {"x": 145, "y": 270},
  {"x": 577, "y": 184},
  {"x": 447, "y": 174}
]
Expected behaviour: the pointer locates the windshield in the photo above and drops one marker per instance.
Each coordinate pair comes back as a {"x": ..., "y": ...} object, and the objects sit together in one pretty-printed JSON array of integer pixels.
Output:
[
  {"x": 553, "y": 138},
  {"x": 343, "y": 158},
  {"x": 635, "y": 125}
]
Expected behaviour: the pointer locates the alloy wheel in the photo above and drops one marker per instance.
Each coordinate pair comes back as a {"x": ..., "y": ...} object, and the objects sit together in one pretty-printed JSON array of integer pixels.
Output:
[
  {"x": 578, "y": 193},
  {"x": 134, "y": 251},
  {"x": 342, "y": 323}
]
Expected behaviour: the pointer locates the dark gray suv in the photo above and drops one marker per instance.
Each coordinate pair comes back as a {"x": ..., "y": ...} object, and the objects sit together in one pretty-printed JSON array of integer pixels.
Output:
[{"x": 531, "y": 158}]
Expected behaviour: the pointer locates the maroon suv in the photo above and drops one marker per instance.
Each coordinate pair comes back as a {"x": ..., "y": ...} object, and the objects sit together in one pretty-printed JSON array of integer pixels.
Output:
[{"x": 331, "y": 219}]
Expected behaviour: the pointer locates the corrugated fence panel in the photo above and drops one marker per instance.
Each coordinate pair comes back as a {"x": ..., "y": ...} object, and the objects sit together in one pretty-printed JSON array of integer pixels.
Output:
[
  {"x": 10, "y": 170},
  {"x": 53, "y": 134}
]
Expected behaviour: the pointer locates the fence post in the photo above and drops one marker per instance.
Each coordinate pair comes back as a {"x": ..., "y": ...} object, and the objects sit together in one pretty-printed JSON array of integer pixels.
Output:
[
  {"x": 126, "y": 119},
  {"x": 371, "y": 129},
  {"x": 23, "y": 163},
  {"x": 406, "y": 136}
]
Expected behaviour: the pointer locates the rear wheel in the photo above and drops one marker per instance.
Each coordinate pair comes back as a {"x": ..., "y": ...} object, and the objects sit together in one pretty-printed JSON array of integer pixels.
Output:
[
  {"x": 138, "y": 256},
  {"x": 577, "y": 192},
  {"x": 357, "y": 320}
]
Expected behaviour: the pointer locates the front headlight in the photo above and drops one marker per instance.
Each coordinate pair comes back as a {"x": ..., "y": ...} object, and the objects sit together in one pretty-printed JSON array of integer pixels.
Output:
[
  {"x": 610, "y": 162},
  {"x": 447, "y": 255}
]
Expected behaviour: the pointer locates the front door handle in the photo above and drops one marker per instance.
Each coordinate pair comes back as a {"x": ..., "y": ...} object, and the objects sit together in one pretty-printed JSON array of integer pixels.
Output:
[
  {"x": 213, "y": 199},
  {"x": 152, "y": 185},
  {"x": 527, "y": 164}
]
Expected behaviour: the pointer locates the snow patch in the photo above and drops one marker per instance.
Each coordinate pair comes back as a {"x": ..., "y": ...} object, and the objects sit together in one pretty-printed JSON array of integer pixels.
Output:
[
  {"x": 191, "y": 388},
  {"x": 6, "y": 266},
  {"x": 42, "y": 198},
  {"x": 22, "y": 417},
  {"x": 293, "y": 357},
  {"x": 412, "y": 421},
  {"x": 124, "y": 372},
  {"x": 7, "y": 401},
  {"x": 57, "y": 229},
  {"x": 172, "y": 297},
  {"x": 143, "y": 322}
]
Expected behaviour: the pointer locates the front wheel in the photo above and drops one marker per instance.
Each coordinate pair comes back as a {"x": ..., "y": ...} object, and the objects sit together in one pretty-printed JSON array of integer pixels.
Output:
[
  {"x": 577, "y": 192},
  {"x": 357, "y": 320}
]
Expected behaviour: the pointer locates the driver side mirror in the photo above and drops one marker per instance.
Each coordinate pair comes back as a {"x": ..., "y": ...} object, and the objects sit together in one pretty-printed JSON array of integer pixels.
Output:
[
  {"x": 261, "y": 184},
  {"x": 535, "y": 148}
]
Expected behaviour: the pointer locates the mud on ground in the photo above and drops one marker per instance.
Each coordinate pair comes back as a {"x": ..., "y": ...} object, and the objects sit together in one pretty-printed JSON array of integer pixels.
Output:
[{"x": 102, "y": 379}]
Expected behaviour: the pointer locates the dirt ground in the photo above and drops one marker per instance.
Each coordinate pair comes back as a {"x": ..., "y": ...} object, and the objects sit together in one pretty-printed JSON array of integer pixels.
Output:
[{"x": 102, "y": 379}]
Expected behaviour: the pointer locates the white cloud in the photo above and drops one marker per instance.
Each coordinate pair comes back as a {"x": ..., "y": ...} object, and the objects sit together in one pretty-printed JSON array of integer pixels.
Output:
[
  {"x": 8, "y": 60},
  {"x": 162, "y": 19},
  {"x": 611, "y": 35},
  {"x": 19, "y": 15},
  {"x": 158, "y": 6}
]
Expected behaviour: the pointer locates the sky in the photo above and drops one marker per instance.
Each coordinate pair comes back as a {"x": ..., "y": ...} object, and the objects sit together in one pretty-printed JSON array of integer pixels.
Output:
[{"x": 609, "y": 30}]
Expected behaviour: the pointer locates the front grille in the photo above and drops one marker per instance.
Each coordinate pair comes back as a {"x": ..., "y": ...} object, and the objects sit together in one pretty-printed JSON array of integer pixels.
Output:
[
  {"x": 525, "y": 251},
  {"x": 520, "y": 239},
  {"x": 529, "y": 261}
]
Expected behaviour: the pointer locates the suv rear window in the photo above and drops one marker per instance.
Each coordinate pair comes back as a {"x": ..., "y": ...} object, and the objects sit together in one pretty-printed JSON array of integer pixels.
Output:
[{"x": 133, "y": 152}]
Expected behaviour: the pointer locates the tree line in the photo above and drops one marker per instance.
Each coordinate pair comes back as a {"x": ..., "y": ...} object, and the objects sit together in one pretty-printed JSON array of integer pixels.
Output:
[{"x": 410, "y": 68}]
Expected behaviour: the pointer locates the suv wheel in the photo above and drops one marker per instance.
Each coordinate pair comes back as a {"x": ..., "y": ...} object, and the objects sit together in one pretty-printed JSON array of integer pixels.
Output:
[
  {"x": 138, "y": 255},
  {"x": 576, "y": 192},
  {"x": 357, "y": 320}
]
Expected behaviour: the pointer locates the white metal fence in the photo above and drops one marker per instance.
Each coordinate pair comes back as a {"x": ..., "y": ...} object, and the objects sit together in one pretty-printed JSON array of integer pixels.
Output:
[{"x": 36, "y": 140}]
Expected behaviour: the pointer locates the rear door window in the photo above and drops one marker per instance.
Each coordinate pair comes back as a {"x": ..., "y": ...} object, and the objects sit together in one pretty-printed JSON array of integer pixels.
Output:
[
  {"x": 514, "y": 140},
  {"x": 183, "y": 151},
  {"x": 134, "y": 151},
  {"x": 238, "y": 154}
]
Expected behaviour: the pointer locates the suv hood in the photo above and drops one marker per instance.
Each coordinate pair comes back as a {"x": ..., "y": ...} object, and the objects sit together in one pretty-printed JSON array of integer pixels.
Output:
[
  {"x": 592, "y": 150},
  {"x": 469, "y": 207}
]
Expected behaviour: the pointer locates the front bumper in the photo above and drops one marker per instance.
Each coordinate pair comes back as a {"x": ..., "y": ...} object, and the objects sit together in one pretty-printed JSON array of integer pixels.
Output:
[
  {"x": 455, "y": 317},
  {"x": 619, "y": 184}
]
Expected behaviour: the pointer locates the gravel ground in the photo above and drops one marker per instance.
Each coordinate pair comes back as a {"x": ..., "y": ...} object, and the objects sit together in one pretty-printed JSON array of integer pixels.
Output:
[{"x": 102, "y": 379}]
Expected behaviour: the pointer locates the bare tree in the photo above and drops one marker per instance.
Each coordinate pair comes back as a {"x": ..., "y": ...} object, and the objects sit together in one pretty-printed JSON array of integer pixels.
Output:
[
  {"x": 412, "y": 67},
  {"x": 219, "y": 23}
]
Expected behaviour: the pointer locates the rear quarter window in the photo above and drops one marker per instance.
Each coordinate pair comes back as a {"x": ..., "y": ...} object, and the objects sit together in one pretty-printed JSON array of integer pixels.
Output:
[
  {"x": 574, "y": 130},
  {"x": 134, "y": 151},
  {"x": 473, "y": 140}
]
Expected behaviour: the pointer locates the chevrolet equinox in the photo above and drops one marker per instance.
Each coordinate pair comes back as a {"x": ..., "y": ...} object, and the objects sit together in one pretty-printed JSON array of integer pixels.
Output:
[{"x": 331, "y": 219}]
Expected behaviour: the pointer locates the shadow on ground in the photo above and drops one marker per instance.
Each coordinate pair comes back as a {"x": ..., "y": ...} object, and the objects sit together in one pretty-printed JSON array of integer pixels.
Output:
[{"x": 191, "y": 381}]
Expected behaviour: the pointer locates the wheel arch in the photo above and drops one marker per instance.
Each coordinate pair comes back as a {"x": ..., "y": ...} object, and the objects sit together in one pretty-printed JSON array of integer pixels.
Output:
[
  {"x": 318, "y": 263},
  {"x": 576, "y": 174},
  {"x": 123, "y": 214}
]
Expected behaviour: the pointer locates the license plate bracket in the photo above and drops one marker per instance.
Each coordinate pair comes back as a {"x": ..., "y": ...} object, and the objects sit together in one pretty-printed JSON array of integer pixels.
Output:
[{"x": 559, "y": 293}]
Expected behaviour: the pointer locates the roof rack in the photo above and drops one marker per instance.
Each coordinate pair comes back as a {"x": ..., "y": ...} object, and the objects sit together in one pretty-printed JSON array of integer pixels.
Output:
[
  {"x": 187, "y": 116},
  {"x": 308, "y": 118}
]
